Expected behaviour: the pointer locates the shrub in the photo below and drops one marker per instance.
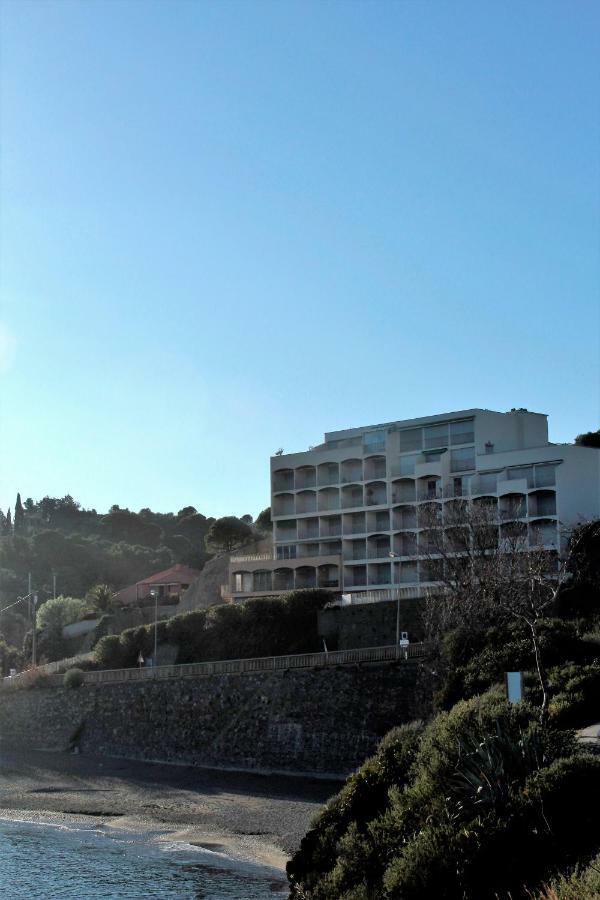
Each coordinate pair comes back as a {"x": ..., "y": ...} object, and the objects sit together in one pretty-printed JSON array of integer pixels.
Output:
[
  {"x": 73, "y": 678},
  {"x": 108, "y": 652},
  {"x": 479, "y": 785}
]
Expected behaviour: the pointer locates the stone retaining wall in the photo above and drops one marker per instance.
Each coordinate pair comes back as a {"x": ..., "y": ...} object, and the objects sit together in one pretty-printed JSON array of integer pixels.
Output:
[{"x": 308, "y": 721}]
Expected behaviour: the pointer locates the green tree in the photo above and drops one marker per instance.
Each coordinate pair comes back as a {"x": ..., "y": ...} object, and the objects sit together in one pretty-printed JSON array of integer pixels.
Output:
[
  {"x": 263, "y": 521},
  {"x": 8, "y": 523},
  {"x": 588, "y": 439},
  {"x": 19, "y": 520},
  {"x": 100, "y": 596},
  {"x": 227, "y": 534}
]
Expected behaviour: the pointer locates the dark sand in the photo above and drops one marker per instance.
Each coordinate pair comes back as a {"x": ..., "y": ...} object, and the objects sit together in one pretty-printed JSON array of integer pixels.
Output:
[{"x": 252, "y": 817}]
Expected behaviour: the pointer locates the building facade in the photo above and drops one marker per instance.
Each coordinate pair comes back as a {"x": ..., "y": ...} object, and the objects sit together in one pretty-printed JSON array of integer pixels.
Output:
[{"x": 351, "y": 514}]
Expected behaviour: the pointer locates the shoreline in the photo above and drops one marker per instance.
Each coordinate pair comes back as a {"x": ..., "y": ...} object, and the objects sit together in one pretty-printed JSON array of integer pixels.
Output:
[{"x": 250, "y": 818}]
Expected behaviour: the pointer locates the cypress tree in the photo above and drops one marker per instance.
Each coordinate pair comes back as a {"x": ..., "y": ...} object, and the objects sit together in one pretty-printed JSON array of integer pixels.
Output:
[
  {"x": 8, "y": 526},
  {"x": 19, "y": 522}
]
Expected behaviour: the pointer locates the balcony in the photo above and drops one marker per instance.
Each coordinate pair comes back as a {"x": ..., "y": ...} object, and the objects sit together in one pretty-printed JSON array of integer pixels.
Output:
[
  {"x": 328, "y": 576},
  {"x": 404, "y": 517},
  {"x": 283, "y": 505},
  {"x": 543, "y": 534},
  {"x": 331, "y": 527},
  {"x": 283, "y": 480},
  {"x": 327, "y": 474},
  {"x": 355, "y": 523},
  {"x": 407, "y": 573},
  {"x": 308, "y": 528},
  {"x": 352, "y": 497},
  {"x": 355, "y": 576},
  {"x": 351, "y": 470},
  {"x": 379, "y": 574},
  {"x": 430, "y": 489},
  {"x": 328, "y": 498},
  {"x": 405, "y": 544},
  {"x": 305, "y": 577},
  {"x": 355, "y": 550},
  {"x": 376, "y": 494},
  {"x": 542, "y": 503},
  {"x": 403, "y": 491},
  {"x": 512, "y": 506},
  {"x": 305, "y": 477},
  {"x": 306, "y": 502},
  {"x": 378, "y": 548},
  {"x": 375, "y": 467}
]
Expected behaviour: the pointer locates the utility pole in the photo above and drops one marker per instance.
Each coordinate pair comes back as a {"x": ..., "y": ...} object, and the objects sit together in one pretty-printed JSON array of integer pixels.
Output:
[
  {"x": 34, "y": 642},
  {"x": 29, "y": 595},
  {"x": 54, "y": 585}
]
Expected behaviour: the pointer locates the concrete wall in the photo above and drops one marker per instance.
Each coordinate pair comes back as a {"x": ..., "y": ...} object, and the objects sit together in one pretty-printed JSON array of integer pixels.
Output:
[{"x": 308, "y": 721}]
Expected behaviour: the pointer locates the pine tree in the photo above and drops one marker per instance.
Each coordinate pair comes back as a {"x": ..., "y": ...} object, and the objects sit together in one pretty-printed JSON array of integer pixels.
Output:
[{"x": 19, "y": 522}]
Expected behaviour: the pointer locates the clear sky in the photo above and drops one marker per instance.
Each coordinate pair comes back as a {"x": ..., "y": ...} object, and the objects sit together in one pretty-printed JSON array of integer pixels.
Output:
[{"x": 230, "y": 226}]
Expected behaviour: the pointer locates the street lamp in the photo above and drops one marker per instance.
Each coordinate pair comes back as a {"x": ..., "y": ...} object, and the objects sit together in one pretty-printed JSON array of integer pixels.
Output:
[
  {"x": 154, "y": 593},
  {"x": 392, "y": 556}
]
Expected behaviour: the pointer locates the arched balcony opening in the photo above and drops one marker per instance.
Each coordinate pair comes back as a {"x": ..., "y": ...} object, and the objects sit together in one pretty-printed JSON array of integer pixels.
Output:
[
  {"x": 305, "y": 477},
  {"x": 306, "y": 501},
  {"x": 405, "y": 544},
  {"x": 407, "y": 573},
  {"x": 285, "y": 530},
  {"x": 262, "y": 580},
  {"x": 328, "y": 498},
  {"x": 308, "y": 528},
  {"x": 404, "y": 490},
  {"x": 355, "y": 523},
  {"x": 283, "y": 505},
  {"x": 487, "y": 506},
  {"x": 328, "y": 576},
  {"x": 328, "y": 473},
  {"x": 355, "y": 549},
  {"x": 375, "y": 467},
  {"x": 351, "y": 470},
  {"x": 431, "y": 571},
  {"x": 430, "y": 515},
  {"x": 512, "y": 506},
  {"x": 429, "y": 488},
  {"x": 283, "y": 480},
  {"x": 378, "y": 520},
  {"x": 380, "y": 574},
  {"x": 355, "y": 576},
  {"x": 375, "y": 493},
  {"x": 352, "y": 496},
  {"x": 306, "y": 577},
  {"x": 543, "y": 533},
  {"x": 430, "y": 541},
  {"x": 513, "y": 536},
  {"x": 378, "y": 546},
  {"x": 283, "y": 579},
  {"x": 404, "y": 517},
  {"x": 331, "y": 526},
  {"x": 542, "y": 503}
]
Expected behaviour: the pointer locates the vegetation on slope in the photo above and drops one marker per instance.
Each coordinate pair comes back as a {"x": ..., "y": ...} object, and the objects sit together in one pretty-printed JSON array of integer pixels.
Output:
[
  {"x": 261, "y": 627},
  {"x": 486, "y": 799}
]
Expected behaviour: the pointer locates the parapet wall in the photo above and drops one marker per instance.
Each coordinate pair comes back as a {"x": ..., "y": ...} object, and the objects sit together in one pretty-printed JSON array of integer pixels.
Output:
[{"x": 321, "y": 721}]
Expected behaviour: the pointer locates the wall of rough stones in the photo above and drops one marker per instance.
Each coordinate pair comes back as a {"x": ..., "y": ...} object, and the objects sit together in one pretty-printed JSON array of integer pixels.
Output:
[
  {"x": 369, "y": 625},
  {"x": 308, "y": 721}
]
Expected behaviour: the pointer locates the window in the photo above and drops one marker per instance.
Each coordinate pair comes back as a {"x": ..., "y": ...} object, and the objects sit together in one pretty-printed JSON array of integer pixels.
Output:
[
  {"x": 286, "y": 552},
  {"x": 407, "y": 465},
  {"x": 436, "y": 436},
  {"x": 457, "y": 484},
  {"x": 462, "y": 460},
  {"x": 462, "y": 432},
  {"x": 262, "y": 581},
  {"x": 545, "y": 476},
  {"x": 411, "y": 439},
  {"x": 517, "y": 474},
  {"x": 374, "y": 440}
]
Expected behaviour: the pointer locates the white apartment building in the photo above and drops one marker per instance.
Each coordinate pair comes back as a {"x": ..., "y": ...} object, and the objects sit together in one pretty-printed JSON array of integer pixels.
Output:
[{"x": 348, "y": 514}]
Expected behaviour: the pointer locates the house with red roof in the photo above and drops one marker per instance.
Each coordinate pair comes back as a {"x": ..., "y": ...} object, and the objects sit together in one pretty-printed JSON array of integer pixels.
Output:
[{"x": 168, "y": 584}]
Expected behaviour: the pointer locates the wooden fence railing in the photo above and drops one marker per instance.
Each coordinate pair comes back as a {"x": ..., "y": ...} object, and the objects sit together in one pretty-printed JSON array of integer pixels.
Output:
[{"x": 242, "y": 666}]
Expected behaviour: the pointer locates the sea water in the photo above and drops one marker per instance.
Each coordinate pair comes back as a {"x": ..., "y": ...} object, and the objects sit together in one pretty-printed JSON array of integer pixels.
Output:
[{"x": 48, "y": 862}]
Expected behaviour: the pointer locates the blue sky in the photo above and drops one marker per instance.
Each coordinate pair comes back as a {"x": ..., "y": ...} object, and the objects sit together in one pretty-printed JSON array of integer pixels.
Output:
[{"x": 228, "y": 227}]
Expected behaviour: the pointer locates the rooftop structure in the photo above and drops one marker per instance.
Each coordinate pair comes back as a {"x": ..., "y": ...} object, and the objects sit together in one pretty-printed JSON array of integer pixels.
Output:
[{"x": 350, "y": 514}]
